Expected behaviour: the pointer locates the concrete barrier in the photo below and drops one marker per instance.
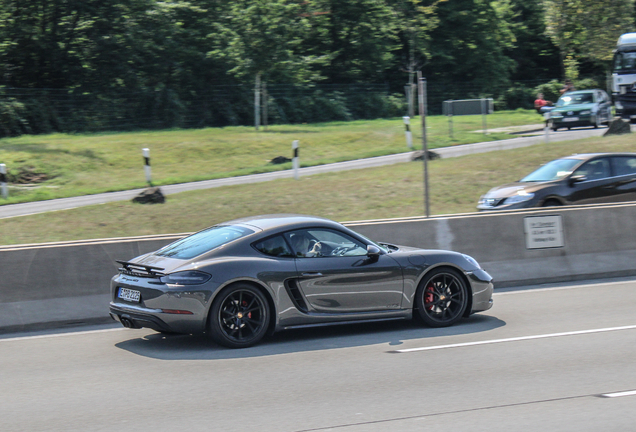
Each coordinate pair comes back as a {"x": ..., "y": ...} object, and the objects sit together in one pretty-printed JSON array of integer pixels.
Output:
[{"x": 68, "y": 282}]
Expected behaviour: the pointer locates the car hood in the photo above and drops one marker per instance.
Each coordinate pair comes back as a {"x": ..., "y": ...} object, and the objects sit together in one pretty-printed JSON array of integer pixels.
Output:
[
  {"x": 575, "y": 107},
  {"x": 510, "y": 189}
]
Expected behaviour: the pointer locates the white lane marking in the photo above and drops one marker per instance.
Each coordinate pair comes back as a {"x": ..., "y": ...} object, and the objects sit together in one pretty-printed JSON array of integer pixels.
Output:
[
  {"x": 620, "y": 394},
  {"x": 522, "y": 338},
  {"x": 61, "y": 334},
  {"x": 534, "y": 290}
]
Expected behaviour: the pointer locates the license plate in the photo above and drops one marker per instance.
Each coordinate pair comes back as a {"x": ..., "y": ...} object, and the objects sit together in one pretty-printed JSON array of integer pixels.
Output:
[
  {"x": 129, "y": 295},
  {"x": 567, "y": 119}
]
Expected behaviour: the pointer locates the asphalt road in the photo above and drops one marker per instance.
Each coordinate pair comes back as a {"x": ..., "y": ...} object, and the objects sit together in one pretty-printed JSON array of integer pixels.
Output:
[
  {"x": 540, "y": 360},
  {"x": 14, "y": 210}
]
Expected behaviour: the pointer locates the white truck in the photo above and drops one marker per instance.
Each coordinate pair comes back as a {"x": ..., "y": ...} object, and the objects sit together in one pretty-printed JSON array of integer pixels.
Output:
[{"x": 624, "y": 77}]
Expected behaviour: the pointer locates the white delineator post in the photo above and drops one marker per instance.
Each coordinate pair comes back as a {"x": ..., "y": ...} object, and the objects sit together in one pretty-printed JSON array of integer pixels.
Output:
[
  {"x": 295, "y": 165},
  {"x": 409, "y": 136},
  {"x": 146, "y": 153},
  {"x": 3, "y": 181}
]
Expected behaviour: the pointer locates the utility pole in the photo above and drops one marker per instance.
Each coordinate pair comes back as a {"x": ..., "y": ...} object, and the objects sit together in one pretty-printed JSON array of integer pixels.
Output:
[
  {"x": 421, "y": 93},
  {"x": 257, "y": 100}
]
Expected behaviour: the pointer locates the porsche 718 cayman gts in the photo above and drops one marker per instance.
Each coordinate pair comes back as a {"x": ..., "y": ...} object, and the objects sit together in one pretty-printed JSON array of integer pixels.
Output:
[{"x": 240, "y": 280}]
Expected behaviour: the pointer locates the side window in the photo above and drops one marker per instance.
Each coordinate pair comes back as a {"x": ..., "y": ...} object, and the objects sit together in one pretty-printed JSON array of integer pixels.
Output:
[
  {"x": 316, "y": 242},
  {"x": 274, "y": 246},
  {"x": 624, "y": 165},
  {"x": 595, "y": 169}
]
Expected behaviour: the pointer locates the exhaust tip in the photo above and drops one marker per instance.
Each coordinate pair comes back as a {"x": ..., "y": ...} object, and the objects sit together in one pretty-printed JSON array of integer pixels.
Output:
[{"x": 126, "y": 322}]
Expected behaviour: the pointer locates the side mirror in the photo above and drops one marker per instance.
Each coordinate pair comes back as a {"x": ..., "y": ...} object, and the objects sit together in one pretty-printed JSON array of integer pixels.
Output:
[
  {"x": 373, "y": 252},
  {"x": 577, "y": 179}
]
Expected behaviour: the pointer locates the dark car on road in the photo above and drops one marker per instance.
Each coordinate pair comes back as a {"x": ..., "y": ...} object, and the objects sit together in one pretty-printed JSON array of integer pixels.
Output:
[
  {"x": 240, "y": 280},
  {"x": 578, "y": 179},
  {"x": 581, "y": 108}
]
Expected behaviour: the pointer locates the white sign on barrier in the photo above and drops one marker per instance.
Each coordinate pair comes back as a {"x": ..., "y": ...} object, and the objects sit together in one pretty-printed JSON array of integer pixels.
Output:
[{"x": 543, "y": 232}]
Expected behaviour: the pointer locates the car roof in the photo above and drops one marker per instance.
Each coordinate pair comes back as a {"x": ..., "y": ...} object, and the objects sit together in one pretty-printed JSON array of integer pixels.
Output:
[
  {"x": 580, "y": 92},
  {"x": 585, "y": 156},
  {"x": 275, "y": 221}
]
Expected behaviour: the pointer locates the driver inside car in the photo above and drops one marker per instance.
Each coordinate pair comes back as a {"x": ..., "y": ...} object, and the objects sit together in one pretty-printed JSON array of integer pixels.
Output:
[{"x": 304, "y": 247}]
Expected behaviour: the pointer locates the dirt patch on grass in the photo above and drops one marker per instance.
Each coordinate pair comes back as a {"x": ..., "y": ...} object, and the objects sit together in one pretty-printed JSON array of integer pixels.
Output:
[{"x": 28, "y": 175}]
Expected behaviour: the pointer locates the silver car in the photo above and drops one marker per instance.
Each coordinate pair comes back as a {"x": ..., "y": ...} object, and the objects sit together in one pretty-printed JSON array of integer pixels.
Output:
[{"x": 240, "y": 280}]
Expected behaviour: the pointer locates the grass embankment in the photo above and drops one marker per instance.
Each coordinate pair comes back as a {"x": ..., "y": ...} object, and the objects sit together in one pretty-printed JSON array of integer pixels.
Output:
[
  {"x": 64, "y": 165},
  {"x": 385, "y": 192}
]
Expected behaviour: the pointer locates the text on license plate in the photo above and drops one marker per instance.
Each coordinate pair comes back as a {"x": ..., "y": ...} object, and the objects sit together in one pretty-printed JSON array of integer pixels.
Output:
[
  {"x": 129, "y": 295},
  {"x": 571, "y": 119}
]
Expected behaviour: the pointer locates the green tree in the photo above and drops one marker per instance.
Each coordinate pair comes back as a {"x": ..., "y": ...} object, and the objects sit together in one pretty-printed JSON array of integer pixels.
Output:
[
  {"x": 469, "y": 46},
  {"x": 534, "y": 54},
  {"x": 586, "y": 30},
  {"x": 263, "y": 37}
]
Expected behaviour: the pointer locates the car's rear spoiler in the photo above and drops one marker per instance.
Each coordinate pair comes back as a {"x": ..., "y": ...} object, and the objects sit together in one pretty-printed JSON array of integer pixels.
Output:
[{"x": 134, "y": 269}]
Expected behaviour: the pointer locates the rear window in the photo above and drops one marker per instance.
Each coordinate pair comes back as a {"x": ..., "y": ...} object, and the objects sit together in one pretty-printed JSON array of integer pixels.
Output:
[{"x": 203, "y": 241}]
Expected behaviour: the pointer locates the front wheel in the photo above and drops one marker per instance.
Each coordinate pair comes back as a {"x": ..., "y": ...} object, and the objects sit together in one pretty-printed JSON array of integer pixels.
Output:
[
  {"x": 551, "y": 203},
  {"x": 239, "y": 316},
  {"x": 442, "y": 298}
]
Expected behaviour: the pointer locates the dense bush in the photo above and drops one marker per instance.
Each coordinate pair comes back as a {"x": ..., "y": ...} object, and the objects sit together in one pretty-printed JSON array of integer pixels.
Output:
[
  {"x": 13, "y": 121},
  {"x": 516, "y": 97}
]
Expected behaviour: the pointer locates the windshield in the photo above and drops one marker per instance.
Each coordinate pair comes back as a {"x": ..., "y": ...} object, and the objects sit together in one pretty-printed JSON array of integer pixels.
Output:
[
  {"x": 383, "y": 248},
  {"x": 625, "y": 61},
  {"x": 575, "y": 98},
  {"x": 203, "y": 241},
  {"x": 553, "y": 170}
]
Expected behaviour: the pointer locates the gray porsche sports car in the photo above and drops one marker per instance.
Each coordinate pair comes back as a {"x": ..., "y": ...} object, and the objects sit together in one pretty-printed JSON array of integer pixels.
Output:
[{"x": 242, "y": 279}]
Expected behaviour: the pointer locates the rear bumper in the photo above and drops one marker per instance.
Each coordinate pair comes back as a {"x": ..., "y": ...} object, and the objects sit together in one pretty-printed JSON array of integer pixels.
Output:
[{"x": 137, "y": 317}]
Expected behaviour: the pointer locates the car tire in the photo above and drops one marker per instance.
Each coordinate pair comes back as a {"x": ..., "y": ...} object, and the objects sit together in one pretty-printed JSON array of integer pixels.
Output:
[
  {"x": 239, "y": 316},
  {"x": 441, "y": 298},
  {"x": 551, "y": 203}
]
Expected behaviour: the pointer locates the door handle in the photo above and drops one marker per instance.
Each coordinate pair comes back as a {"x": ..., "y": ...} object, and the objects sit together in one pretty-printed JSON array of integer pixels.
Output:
[{"x": 311, "y": 274}]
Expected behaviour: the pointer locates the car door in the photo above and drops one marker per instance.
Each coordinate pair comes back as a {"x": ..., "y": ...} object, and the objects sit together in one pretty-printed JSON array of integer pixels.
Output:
[
  {"x": 624, "y": 176},
  {"x": 595, "y": 183},
  {"x": 341, "y": 278}
]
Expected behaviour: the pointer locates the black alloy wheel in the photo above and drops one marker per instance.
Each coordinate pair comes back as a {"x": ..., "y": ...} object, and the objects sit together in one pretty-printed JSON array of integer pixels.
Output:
[
  {"x": 442, "y": 298},
  {"x": 239, "y": 316}
]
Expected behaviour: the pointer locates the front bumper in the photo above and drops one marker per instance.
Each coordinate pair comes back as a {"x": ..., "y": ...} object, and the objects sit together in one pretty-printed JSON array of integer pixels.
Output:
[
  {"x": 518, "y": 205},
  {"x": 483, "y": 286},
  {"x": 561, "y": 122}
]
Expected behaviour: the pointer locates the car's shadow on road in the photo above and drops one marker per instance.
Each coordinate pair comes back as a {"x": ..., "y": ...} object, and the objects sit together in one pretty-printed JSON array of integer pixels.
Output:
[{"x": 392, "y": 334}]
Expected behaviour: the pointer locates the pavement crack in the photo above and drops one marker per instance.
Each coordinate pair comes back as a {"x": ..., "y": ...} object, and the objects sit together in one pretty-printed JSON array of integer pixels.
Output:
[{"x": 423, "y": 416}]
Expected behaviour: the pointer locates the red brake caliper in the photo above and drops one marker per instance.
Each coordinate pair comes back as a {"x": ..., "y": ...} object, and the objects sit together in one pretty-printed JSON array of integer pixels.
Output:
[
  {"x": 249, "y": 314},
  {"x": 429, "y": 298}
]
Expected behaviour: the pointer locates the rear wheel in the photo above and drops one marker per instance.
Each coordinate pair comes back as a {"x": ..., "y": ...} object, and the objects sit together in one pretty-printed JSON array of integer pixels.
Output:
[
  {"x": 551, "y": 203},
  {"x": 239, "y": 316},
  {"x": 442, "y": 298}
]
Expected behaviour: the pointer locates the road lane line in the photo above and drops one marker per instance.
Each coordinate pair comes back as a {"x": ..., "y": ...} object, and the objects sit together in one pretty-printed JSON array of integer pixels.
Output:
[
  {"x": 61, "y": 334},
  {"x": 521, "y": 338},
  {"x": 619, "y": 394},
  {"x": 569, "y": 287}
]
